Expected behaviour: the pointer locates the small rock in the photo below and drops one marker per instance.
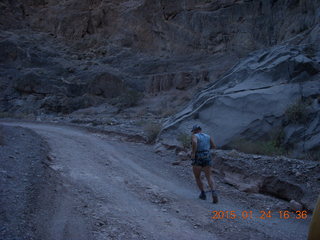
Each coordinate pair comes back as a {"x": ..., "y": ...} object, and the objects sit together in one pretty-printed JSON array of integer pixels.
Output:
[
  {"x": 233, "y": 153},
  {"x": 159, "y": 148},
  {"x": 71, "y": 70},
  {"x": 298, "y": 174},
  {"x": 163, "y": 200},
  {"x": 295, "y": 206},
  {"x": 99, "y": 224},
  {"x": 9, "y": 176},
  {"x": 176, "y": 163},
  {"x": 183, "y": 156},
  {"x": 280, "y": 206}
]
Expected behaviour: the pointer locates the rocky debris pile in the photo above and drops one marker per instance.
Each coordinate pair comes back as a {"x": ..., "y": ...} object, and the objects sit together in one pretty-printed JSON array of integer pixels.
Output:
[
  {"x": 23, "y": 175},
  {"x": 295, "y": 181}
]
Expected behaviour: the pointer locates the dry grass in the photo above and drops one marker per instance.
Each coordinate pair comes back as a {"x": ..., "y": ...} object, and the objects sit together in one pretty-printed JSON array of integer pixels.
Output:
[
  {"x": 30, "y": 116},
  {"x": 6, "y": 115},
  {"x": 129, "y": 98},
  {"x": 313, "y": 155},
  {"x": 297, "y": 113},
  {"x": 167, "y": 112},
  {"x": 1, "y": 137},
  {"x": 152, "y": 130},
  {"x": 185, "y": 140},
  {"x": 269, "y": 148}
]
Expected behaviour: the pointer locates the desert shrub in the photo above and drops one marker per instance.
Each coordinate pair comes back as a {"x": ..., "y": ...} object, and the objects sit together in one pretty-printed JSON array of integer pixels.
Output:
[
  {"x": 21, "y": 115},
  {"x": 270, "y": 148},
  {"x": 310, "y": 51},
  {"x": 140, "y": 123},
  {"x": 129, "y": 98},
  {"x": 152, "y": 130},
  {"x": 195, "y": 115},
  {"x": 184, "y": 139},
  {"x": 313, "y": 155},
  {"x": 167, "y": 108},
  {"x": 132, "y": 97},
  {"x": 1, "y": 137},
  {"x": 166, "y": 112},
  {"x": 277, "y": 136},
  {"x": 142, "y": 113},
  {"x": 5, "y": 115},
  {"x": 297, "y": 113}
]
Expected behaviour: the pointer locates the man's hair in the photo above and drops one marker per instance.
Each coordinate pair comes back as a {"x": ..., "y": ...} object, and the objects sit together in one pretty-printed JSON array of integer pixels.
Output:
[{"x": 196, "y": 127}]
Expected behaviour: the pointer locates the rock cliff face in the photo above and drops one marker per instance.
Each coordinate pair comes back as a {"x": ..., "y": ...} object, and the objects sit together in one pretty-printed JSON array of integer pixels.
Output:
[
  {"x": 260, "y": 59},
  {"x": 272, "y": 91},
  {"x": 170, "y": 27}
]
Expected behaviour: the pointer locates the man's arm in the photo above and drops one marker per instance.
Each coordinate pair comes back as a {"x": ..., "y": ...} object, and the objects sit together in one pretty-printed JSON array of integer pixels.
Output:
[
  {"x": 194, "y": 146},
  {"x": 212, "y": 145}
]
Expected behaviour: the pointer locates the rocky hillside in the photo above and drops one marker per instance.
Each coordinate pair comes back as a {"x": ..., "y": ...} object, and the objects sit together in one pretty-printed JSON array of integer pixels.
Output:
[{"x": 260, "y": 60}]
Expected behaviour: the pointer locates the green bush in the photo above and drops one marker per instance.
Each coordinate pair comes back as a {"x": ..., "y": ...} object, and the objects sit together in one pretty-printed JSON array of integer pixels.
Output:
[
  {"x": 185, "y": 140},
  {"x": 297, "y": 113},
  {"x": 6, "y": 115},
  {"x": 152, "y": 130},
  {"x": 167, "y": 112},
  {"x": 1, "y": 137},
  {"x": 140, "y": 123},
  {"x": 129, "y": 98},
  {"x": 313, "y": 155},
  {"x": 17, "y": 115},
  {"x": 270, "y": 148},
  {"x": 310, "y": 51}
]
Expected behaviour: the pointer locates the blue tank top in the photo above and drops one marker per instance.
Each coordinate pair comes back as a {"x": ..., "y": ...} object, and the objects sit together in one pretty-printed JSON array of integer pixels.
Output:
[{"x": 203, "y": 142}]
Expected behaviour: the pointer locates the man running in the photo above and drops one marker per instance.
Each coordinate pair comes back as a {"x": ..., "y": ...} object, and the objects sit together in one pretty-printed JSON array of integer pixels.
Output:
[{"x": 201, "y": 160}]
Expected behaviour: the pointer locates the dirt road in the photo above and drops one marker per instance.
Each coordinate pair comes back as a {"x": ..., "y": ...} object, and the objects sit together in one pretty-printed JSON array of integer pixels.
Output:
[{"x": 112, "y": 189}]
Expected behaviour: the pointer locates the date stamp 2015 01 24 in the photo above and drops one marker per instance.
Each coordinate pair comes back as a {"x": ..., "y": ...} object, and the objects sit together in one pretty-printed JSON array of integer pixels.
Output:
[{"x": 264, "y": 215}]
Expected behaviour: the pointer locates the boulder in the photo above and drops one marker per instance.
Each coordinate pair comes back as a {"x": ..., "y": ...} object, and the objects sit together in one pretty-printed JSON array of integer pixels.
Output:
[
  {"x": 295, "y": 206},
  {"x": 159, "y": 148}
]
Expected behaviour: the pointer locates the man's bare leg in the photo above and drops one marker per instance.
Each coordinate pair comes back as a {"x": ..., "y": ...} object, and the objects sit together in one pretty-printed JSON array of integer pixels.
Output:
[
  {"x": 196, "y": 173},
  {"x": 207, "y": 171}
]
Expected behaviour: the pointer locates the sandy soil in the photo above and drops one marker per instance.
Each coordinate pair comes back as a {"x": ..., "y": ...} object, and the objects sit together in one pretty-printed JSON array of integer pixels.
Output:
[{"x": 102, "y": 187}]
